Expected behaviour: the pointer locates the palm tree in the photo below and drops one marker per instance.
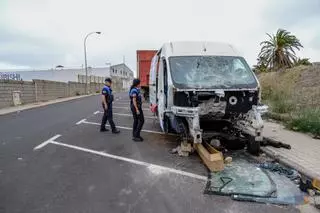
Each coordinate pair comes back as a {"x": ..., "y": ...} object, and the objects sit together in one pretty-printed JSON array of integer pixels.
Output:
[{"x": 279, "y": 50}]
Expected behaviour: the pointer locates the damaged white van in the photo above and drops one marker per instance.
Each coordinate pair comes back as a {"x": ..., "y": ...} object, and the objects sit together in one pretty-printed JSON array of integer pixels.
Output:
[{"x": 204, "y": 90}]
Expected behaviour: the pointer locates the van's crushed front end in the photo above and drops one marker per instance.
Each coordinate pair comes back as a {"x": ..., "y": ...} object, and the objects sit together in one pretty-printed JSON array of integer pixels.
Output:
[
  {"x": 215, "y": 93},
  {"x": 239, "y": 108}
]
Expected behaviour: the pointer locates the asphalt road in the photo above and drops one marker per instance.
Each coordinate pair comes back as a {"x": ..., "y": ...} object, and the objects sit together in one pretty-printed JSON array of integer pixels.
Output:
[{"x": 83, "y": 170}]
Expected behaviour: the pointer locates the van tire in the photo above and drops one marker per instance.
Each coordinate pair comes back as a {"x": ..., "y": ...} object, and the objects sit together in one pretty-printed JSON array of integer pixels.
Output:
[{"x": 253, "y": 146}]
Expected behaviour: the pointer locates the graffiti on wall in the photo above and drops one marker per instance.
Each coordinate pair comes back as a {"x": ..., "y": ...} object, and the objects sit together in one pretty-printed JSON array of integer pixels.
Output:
[{"x": 10, "y": 76}]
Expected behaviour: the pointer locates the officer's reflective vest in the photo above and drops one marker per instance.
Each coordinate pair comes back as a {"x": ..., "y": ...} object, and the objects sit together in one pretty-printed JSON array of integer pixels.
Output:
[
  {"x": 138, "y": 96},
  {"x": 107, "y": 92}
]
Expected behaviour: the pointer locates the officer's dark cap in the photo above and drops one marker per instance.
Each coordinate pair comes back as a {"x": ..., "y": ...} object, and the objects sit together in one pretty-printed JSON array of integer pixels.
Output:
[{"x": 108, "y": 80}]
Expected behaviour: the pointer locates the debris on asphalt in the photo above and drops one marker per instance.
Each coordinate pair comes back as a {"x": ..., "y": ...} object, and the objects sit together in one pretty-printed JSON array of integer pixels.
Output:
[
  {"x": 245, "y": 180},
  {"x": 180, "y": 151},
  {"x": 316, "y": 137},
  {"x": 316, "y": 184},
  {"x": 315, "y": 201},
  {"x": 305, "y": 184},
  {"x": 287, "y": 201},
  {"x": 274, "y": 143},
  {"x": 215, "y": 143},
  {"x": 175, "y": 150},
  {"x": 212, "y": 158},
  {"x": 228, "y": 160},
  {"x": 282, "y": 170}
]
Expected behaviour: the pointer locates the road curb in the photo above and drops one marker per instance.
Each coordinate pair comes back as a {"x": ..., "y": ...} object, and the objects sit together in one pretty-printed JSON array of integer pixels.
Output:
[
  {"x": 5, "y": 111},
  {"x": 287, "y": 162}
]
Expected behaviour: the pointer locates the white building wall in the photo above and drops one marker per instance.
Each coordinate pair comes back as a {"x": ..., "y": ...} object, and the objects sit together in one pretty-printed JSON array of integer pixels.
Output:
[{"x": 62, "y": 75}]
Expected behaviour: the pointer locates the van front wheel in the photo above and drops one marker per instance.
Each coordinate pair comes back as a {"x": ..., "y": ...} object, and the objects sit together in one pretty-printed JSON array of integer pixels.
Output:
[{"x": 253, "y": 146}]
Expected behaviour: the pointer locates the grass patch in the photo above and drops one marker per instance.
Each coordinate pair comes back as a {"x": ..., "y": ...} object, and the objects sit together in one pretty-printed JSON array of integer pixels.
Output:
[
  {"x": 282, "y": 105},
  {"x": 293, "y": 97},
  {"x": 279, "y": 100},
  {"x": 307, "y": 120}
]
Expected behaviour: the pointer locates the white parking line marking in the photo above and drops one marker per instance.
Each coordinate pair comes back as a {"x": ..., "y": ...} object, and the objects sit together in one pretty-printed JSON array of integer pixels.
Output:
[
  {"x": 121, "y": 102},
  {"x": 123, "y": 127},
  {"x": 116, "y": 107},
  {"x": 46, "y": 142},
  {"x": 126, "y": 115},
  {"x": 130, "y": 115},
  {"x": 81, "y": 121},
  {"x": 141, "y": 163}
]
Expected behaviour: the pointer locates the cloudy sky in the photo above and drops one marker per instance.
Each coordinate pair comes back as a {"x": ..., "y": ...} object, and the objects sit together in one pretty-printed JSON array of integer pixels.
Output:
[{"x": 45, "y": 33}]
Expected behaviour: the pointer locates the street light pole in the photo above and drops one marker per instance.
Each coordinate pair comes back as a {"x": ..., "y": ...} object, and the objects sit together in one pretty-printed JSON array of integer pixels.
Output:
[{"x": 85, "y": 58}]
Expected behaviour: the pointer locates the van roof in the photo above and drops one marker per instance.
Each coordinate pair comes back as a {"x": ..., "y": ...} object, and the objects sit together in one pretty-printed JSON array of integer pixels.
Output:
[{"x": 194, "y": 48}]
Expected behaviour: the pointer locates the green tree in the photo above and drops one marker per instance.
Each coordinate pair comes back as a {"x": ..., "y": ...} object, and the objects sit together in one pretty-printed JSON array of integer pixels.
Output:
[
  {"x": 261, "y": 66},
  {"x": 279, "y": 50}
]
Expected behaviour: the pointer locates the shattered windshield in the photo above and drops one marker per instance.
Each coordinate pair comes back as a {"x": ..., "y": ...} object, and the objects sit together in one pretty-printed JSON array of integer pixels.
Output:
[{"x": 211, "y": 72}]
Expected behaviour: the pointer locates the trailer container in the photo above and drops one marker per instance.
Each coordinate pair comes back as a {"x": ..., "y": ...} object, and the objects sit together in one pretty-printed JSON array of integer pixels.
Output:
[{"x": 144, "y": 58}]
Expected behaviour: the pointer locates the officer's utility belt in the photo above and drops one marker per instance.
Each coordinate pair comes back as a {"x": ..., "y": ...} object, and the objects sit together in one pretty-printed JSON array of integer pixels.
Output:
[{"x": 109, "y": 99}]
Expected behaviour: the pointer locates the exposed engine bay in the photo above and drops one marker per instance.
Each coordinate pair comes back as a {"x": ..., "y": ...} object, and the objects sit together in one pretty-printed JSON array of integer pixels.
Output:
[
  {"x": 218, "y": 103},
  {"x": 227, "y": 112}
]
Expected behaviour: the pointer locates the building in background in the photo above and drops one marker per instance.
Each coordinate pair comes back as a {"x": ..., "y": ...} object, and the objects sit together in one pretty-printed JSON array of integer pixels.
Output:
[
  {"x": 123, "y": 72},
  {"x": 61, "y": 74}
]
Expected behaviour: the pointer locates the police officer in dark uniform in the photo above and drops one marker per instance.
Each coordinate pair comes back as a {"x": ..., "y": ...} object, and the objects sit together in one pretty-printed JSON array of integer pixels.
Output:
[
  {"x": 136, "y": 109},
  {"x": 107, "y": 99}
]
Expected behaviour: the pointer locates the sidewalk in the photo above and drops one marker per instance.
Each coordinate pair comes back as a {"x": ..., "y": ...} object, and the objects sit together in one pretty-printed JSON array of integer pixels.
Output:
[
  {"x": 304, "y": 154},
  {"x": 8, "y": 110}
]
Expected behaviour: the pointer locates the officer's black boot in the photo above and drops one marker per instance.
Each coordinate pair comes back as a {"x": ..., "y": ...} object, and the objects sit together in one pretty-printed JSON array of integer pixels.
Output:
[
  {"x": 116, "y": 131},
  {"x": 137, "y": 139},
  {"x": 103, "y": 129}
]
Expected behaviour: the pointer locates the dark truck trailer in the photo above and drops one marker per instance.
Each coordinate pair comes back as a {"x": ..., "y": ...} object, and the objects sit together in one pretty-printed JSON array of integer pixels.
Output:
[{"x": 144, "y": 58}]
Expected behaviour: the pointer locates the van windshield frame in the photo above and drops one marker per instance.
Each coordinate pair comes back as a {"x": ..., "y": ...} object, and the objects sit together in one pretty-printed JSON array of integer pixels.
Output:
[{"x": 211, "y": 72}]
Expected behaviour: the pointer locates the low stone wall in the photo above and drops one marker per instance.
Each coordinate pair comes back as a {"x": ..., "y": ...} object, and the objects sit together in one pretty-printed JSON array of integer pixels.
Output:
[
  {"x": 49, "y": 90},
  {"x": 75, "y": 88},
  {"x": 7, "y": 87},
  {"x": 42, "y": 90}
]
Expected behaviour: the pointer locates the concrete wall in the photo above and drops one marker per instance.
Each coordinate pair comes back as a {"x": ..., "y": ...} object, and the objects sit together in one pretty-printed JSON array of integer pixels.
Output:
[
  {"x": 95, "y": 87},
  {"x": 91, "y": 79},
  {"x": 8, "y": 86},
  {"x": 42, "y": 90},
  {"x": 75, "y": 88},
  {"x": 49, "y": 90}
]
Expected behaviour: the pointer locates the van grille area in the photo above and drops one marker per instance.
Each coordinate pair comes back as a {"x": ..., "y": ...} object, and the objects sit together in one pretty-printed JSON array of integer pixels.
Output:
[{"x": 237, "y": 101}]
